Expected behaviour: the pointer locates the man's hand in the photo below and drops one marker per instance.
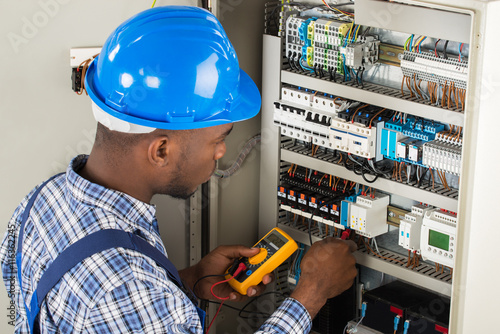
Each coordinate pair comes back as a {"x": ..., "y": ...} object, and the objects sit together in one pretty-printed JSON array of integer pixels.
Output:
[
  {"x": 216, "y": 263},
  {"x": 327, "y": 270}
]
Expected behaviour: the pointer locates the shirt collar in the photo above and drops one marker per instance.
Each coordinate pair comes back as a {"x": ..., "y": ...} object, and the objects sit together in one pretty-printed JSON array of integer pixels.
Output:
[{"x": 122, "y": 205}]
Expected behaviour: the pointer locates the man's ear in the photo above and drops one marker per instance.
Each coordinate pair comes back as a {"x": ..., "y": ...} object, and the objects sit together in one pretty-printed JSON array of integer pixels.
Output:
[{"x": 159, "y": 151}]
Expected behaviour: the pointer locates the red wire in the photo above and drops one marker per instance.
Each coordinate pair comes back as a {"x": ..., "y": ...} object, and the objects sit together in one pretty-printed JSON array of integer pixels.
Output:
[
  {"x": 215, "y": 316},
  {"x": 435, "y": 48},
  {"x": 241, "y": 267},
  {"x": 213, "y": 286}
]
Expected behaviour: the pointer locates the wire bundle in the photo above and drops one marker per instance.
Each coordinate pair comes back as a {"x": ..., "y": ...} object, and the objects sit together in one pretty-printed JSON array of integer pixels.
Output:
[
  {"x": 440, "y": 92},
  {"x": 84, "y": 65}
]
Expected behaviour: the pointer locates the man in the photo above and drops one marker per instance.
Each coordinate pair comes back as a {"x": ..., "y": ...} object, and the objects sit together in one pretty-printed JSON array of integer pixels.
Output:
[{"x": 165, "y": 91}]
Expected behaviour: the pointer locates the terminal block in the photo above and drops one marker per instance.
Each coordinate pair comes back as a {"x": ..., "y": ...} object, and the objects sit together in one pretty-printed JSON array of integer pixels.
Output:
[
  {"x": 410, "y": 226},
  {"x": 443, "y": 156},
  {"x": 368, "y": 216},
  {"x": 428, "y": 67},
  {"x": 363, "y": 53},
  {"x": 449, "y": 138},
  {"x": 294, "y": 43},
  {"x": 326, "y": 59},
  {"x": 329, "y": 34},
  {"x": 405, "y": 141}
]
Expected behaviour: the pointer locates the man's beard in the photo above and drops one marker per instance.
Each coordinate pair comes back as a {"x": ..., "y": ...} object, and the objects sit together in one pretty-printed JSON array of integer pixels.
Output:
[
  {"x": 180, "y": 193},
  {"x": 176, "y": 187}
]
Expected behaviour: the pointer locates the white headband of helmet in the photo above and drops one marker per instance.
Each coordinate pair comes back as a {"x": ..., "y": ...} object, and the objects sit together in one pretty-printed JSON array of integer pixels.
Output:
[{"x": 116, "y": 124}]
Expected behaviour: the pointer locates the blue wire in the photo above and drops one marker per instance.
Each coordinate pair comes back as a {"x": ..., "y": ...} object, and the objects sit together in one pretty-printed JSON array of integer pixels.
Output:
[
  {"x": 305, "y": 68},
  {"x": 297, "y": 263},
  {"x": 345, "y": 69},
  {"x": 355, "y": 74},
  {"x": 406, "y": 326},
  {"x": 355, "y": 33},
  {"x": 421, "y": 44},
  {"x": 411, "y": 43},
  {"x": 459, "y": 50}
]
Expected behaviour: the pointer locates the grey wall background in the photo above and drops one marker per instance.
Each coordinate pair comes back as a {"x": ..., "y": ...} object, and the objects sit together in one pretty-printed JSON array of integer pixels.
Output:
[{"x": 44, "y": 123}]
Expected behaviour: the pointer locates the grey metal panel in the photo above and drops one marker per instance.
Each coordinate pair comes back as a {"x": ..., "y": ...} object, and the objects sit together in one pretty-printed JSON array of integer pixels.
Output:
[
  {"x": 408, "y": 191},
  {"x": 375, "y": 98},
  {"x": 413, "y": 19},
  {"x": 269, "y": 167},
  {"x": 375, "y": 263},
  {"x": 194, "y": 217}
]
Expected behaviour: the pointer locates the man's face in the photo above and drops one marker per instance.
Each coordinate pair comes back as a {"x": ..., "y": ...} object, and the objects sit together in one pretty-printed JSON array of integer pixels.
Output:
[{"x": 195, "y": 159}]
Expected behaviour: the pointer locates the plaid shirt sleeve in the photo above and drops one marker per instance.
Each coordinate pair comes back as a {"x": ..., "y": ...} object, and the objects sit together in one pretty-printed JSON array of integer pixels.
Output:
[
  {"x": 143, "y": 307},
  {"x": 291, "y": 317}
]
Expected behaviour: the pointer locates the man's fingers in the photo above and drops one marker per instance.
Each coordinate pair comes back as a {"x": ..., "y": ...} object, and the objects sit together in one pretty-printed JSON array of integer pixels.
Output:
[
  {"x": 352, "y": 246},
  {"x": 236, "y": 297},
  {"x": 256, "y": 290},
  {"x": 237, "y": 251},
  {"x": 268, "y": 278}
]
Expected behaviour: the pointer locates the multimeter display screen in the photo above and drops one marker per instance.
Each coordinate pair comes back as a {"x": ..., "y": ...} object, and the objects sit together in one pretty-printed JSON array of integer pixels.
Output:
[
  {"x": 276, "y": 240},
  {"x": 439, "y": 240}
]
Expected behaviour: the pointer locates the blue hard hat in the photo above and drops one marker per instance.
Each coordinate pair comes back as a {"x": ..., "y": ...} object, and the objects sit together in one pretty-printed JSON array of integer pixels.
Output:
[{"x": 171, "y": 67}]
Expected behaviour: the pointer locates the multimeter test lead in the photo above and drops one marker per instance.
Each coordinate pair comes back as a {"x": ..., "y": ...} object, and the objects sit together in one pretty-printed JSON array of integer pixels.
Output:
[{"x": 238, "y": 270}]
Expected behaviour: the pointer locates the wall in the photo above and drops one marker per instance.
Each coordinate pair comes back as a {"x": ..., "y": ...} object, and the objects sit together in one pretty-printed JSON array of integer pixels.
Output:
[{"x": 43, "y": 122}]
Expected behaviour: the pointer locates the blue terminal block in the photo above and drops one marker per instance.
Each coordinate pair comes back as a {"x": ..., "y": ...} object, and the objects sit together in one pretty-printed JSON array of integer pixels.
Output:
[
  {"x": 417, "y": 134},
  {"x": 396, "y": 126},
  {"x": 426, "y": 126},
  {"x": 388, "y": 144},
  {"x": 303, "y": 30},
  {"x": 344, "y": 213},
  {"x": 345, "y": 207}
]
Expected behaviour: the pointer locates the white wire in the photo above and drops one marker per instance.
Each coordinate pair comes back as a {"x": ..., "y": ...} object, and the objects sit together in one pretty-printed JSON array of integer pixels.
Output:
[{"x": 374, "y": 241}]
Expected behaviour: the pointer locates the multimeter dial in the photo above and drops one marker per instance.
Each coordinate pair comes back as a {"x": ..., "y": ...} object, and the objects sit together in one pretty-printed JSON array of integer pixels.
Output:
[
  {"x": 261, "y": 256},
  {"x": 275, "y": 247},
  {"x": 267, "y": 249}
]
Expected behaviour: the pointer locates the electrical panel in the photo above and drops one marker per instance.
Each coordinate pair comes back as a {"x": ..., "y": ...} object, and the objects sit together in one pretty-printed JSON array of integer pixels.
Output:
[{"x": 369, "y": 120}]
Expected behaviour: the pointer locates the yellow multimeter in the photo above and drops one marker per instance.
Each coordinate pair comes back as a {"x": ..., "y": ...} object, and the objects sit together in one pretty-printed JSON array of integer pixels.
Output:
[{"x": 275, "y": 247}]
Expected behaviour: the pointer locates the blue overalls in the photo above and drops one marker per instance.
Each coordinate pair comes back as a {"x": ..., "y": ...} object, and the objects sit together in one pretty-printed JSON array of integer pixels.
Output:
[{"x": 80, "y": 250}]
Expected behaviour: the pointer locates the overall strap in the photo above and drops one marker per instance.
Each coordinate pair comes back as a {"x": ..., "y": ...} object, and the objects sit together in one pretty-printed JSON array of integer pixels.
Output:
[
  {"x": 20, "y": 237},
  {"x": 96, "y": 243}
]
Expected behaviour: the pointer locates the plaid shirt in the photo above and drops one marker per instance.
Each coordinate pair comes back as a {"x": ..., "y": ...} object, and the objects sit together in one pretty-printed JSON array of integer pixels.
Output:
[{"x": 114, "y": 291}]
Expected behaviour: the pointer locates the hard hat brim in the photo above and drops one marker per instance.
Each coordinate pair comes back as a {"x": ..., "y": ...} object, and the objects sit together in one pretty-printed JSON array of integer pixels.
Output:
[{"x": 247, "y": 106}]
